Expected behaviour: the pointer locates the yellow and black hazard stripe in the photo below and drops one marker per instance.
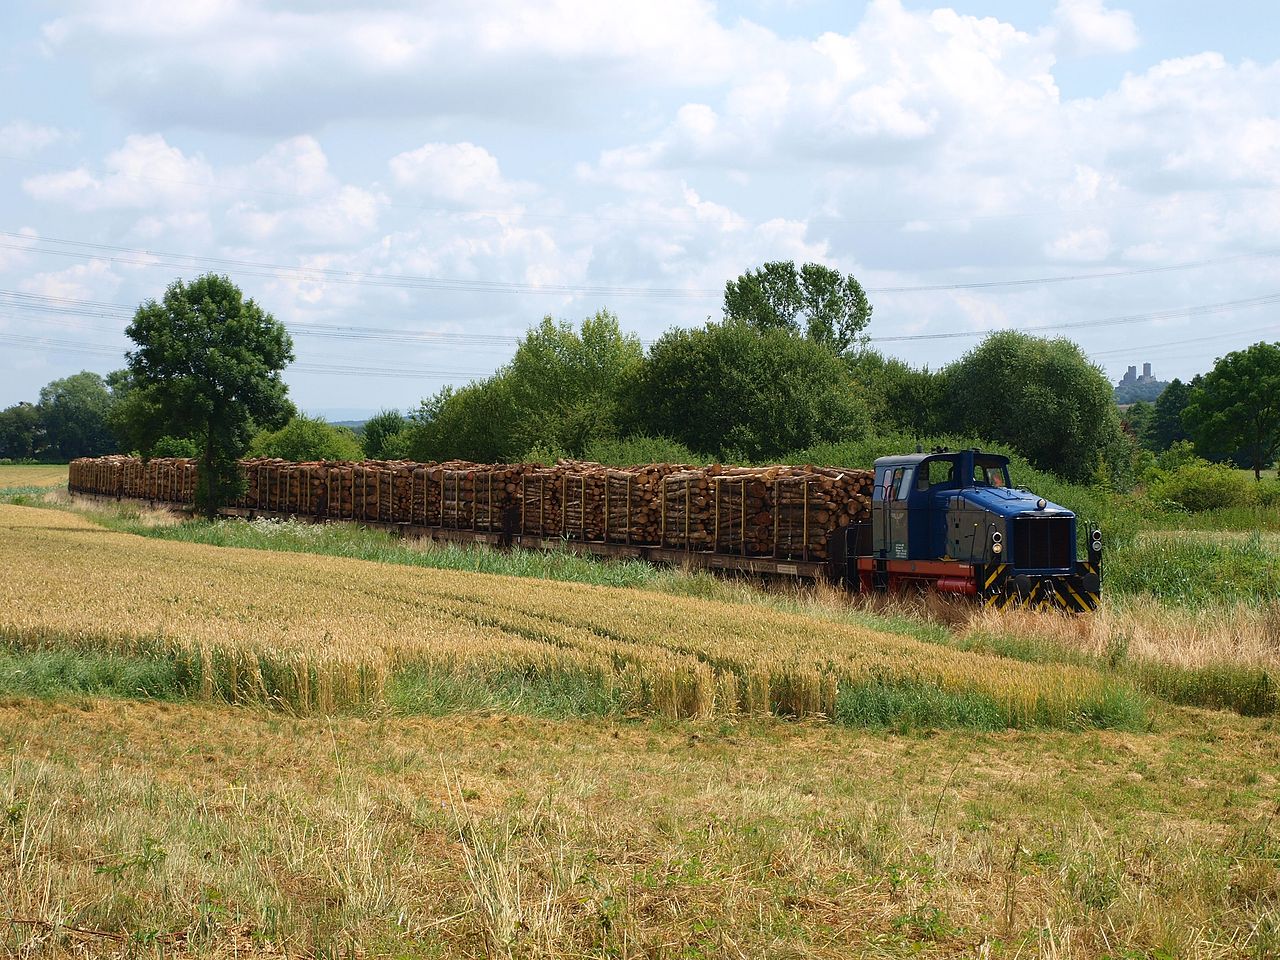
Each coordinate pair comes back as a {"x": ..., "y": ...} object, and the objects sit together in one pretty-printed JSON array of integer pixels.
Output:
[
  {"x": 1000, "y": 590},
  {"x": 993, "y": 592}
]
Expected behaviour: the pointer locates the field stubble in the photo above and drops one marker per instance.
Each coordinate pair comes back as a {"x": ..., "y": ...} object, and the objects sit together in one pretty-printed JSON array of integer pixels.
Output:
[{"x": 140, "y": 829}]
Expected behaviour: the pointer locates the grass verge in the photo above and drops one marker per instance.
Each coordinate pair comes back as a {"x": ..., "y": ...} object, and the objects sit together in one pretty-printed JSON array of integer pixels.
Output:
[
  {"x": 1248, "y": 690},
  {"x": 904, "y": 705},
  {"x": 55, "y": 673}
]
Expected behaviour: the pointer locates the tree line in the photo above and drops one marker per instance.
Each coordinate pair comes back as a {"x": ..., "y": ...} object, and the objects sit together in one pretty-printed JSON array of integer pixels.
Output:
[{"x": 786, "y": 367}]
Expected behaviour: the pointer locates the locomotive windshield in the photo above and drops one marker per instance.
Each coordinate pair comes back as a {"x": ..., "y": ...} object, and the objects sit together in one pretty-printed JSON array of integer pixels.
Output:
[{"x": 990, "y": 472}]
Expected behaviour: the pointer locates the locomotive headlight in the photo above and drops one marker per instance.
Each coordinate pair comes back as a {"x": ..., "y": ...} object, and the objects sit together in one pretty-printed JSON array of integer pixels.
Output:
[
  {"x": 1096, "y": 542},
  {"x": 1041, "y": 503},
  {"x": 997, "y": 548}
]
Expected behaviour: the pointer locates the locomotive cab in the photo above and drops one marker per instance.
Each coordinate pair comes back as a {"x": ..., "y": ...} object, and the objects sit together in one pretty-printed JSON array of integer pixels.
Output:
[{"x": 952, "y": 521}]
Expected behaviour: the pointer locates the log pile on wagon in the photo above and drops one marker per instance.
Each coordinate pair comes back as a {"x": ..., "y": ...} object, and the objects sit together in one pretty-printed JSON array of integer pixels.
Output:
[{"x": 780, "y": 511}]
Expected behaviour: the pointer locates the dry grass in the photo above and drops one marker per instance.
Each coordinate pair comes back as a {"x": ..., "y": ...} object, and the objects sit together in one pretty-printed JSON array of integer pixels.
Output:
[
  {"x": 133, "y": 829},
  {"x": 31, "y": 475},
  {"x": 1238, "y": 635},
  {"x": 322, "y": 633}
]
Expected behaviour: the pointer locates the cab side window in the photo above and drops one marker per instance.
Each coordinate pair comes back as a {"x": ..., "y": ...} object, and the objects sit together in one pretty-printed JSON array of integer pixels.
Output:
[{"x": 901, "y": 483}]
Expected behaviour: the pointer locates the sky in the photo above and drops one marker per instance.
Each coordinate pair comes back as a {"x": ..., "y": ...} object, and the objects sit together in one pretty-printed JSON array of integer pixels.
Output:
[{"x": 409, "y": 186}]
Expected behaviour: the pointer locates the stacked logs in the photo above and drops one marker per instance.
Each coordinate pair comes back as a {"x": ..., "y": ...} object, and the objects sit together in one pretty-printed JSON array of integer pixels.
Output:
[
  {"x": 582, "y": 500},
  {"x": 478, "y": 496},
  {"x": 104, "y": 475},
  {"x": 781, "y": 511},
  {"x": 635, "y": 501},
  {"x": 687, "y": 509},
  {"x": 787, "y": 512},
  {"x": 541, "y": 512},
  {"x": 172, "y": 480}
]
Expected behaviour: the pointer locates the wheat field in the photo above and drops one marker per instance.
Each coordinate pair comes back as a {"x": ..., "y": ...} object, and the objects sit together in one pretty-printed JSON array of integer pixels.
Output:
[
  {"x": 316, "y": 633},
  {"x": 14, "y": 475}
]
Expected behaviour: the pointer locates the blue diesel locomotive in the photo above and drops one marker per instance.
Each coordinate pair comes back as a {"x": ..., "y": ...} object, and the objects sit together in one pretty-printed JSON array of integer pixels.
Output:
[{"x": 951, "y": 521}]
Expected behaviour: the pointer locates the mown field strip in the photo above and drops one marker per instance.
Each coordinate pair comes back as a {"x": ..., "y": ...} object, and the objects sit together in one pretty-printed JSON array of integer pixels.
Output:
[
  {"x": 13, "y": 476},
  {"x": 323, "y": 633}
]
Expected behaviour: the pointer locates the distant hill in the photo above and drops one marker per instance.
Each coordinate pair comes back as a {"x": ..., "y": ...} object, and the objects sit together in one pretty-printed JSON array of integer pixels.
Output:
[
  {"x": 1148, "y": 390},
  {"x": 356, "y": 425}
]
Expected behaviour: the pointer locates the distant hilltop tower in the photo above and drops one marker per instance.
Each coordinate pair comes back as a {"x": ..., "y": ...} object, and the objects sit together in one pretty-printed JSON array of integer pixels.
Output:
[{"x": 1131, "y": 376}]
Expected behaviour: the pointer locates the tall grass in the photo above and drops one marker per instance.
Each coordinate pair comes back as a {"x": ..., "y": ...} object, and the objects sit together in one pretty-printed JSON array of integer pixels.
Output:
[
  {"x": 49, "y": 673},
  {"x": 360, "y": 543},
  {"x": 1195, "y": 571},
  {"x": 1220, "y": 658}
]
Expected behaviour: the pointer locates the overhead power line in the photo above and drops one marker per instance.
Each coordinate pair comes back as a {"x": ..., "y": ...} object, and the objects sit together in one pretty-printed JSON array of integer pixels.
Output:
[
  {"x": 1170, "y": 344},
  {"x": 110, "y": 253},
  {"x": 62, "y": 345},
  {"x": 1206, "y": 309},
  {"x": 100, "y": 309}
]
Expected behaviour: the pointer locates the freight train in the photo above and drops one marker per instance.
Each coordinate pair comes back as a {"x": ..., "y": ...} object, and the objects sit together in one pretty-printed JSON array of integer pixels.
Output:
[{"x": 948, "y": 521}]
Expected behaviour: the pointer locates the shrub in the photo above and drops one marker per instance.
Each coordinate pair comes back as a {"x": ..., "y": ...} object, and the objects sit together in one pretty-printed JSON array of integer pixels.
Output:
[
  {"x": 1197, "y": 485},
  {"x": 640, "y": 449},
  {"x": 175, "y": 447},
  {"x": 304, "y": 438},
  {"x": 1267, "y": 493},
  {"x": 381, "y": 433}
]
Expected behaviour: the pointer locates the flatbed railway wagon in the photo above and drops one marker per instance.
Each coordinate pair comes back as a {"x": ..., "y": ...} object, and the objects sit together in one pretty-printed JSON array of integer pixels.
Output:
[{"x": 946, "y": 521}]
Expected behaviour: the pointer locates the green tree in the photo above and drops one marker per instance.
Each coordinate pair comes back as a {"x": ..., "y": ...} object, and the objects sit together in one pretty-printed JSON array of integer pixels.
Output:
[
  {"x": 209, "y": 363},
  {"x": 134, "y": 418},
  {"x": 735, "y": 391},
  {"x": 378, "y": 438},
  {"x": 1236, "y": 408},
  {"x": 566, "y": 384},
  {"x": 306, "y": 438},
  {"x": 467, "y": 423},
  {"x": 901, "y": 398},
  {"x": 1166, "y": 419},
  {"x": 561, "y": 391},
  {"x": 1136, "y": 422},
  {"x": 777, "y": 296},
  {"x": 73, "y": 412},
  {"x": 21, "y": 434},
  {"x": 1043, "y": 398}
]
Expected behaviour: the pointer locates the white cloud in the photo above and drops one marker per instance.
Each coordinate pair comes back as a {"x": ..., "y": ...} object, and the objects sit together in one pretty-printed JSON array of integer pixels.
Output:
[
  {"x": 142, "y": 174},
  {"x": 14, "y": 252},
  {"x": 1090, "y": 27},
  {"x": 84, "y": 281},
  {"x": 459, "y": 173},
  {"x": 902, "y": 85},
  {"x": 21, "y": 138},
  {"x": 249, "y": 66},
  {"x": 287, "y": 195}
]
